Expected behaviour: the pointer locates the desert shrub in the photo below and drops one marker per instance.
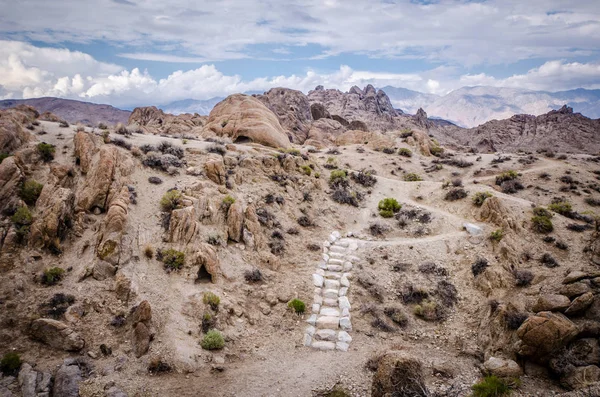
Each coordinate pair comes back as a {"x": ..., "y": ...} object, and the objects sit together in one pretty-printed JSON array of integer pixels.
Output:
[
  {"x": 121, "y": 143},
  {"x": 219, "y": 149},
  {"x": 480, "y": 197},
  {"x": 388, "y": 207},
  {"x": 46, "y": 151},
  {"x": 166, "y": 147},
  {"x": 343, "y": 196},
  {"x": 429, "y": 310},
  {"x": 149, "y": 251},
  {"x": 265, "y": 217},
  {"x": 305, "y": 221},
  {"x": 396, "y": 315},
  {"x": 148, "y": 148},
  {"x": 213, "y": 340},
  {"x": 542, "y": 224},
  {"x": 510, "y": 187},
  {"x": 561, "y": 245},
  {"x": 578, "y": 227},
  {"x": 539, "y": 211},
  {"x": 523, "y": 278},
  {"x": 437, "y": 151},
  {"x": 491, "y": 386},
  {"x": 277, "y": 247},
  {"x": 164, "y": 162},
  {"x": 57, "y": 305},
  {"x": 30, "y": 191},
  {"x": 10, "y": 364},
  {"x": 313, "y": 247},
  {"x": 377, "y": 229},
  {"x": 364, "y": 178},
  {"x": 479, "y": 266},
  {"x": 455, "y": 194},
  {"x": 118, "y": 321},
  {"x": 214, "y": 239},
  {"x": 52, "y": 275},
  {"x": 227, "y": 202},
  {"x": 253, "y": 276},
  {"x": 589, "y": 201},
  {"x": 432, "y": 268},
  {"x": 506, "y": 176},
  {"x": 447, "y": 293},
  {"x": 63, "y": 124},
  {"x": 548, "y": 260},
  {"x": 102, "y": 126},
  {"x": 338, "y": 178},
  {"x": 171, "y": 200},
  {"x": 381, "y": 325},
  {"x": 562, "y": 207},
  {"x": 297, "y": 306},
  {"x": 3, "y": 156},
  {"x": 211, "y": 300},
  {"x": 457, "y": 182},
  {"x": 172, "y": 259},
  {"x": 460, "y": 163},
  {"x": 412, "y": 177},
  {"x": 22, "y": 217},
  {"x": 405, "y": 152},
  {"x": 122, "y": 130},
  {"x": 208, "y": 322},
  {"x": 497, "y": 235},
  {"x": 513, "y": 319},
  {"x": 306, "y": 169},
  {"x": 411, "y": 294},
  {"x": 157, "y": 366},
  {"x": 388, "y": 150}
]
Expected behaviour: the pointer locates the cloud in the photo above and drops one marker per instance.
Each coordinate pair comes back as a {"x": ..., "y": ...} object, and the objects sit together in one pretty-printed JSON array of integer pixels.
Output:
[
  {"x": 27, "y": 71},
  {"x": 457, "y": 31},
  {"x": 145, "y": 56}
]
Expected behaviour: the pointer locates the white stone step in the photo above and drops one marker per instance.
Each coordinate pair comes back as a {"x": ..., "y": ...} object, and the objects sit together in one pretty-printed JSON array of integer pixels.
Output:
[
  {"x": 334, "y": 275},
  {"x": 330, "y": 311},
  {"x": 343, "y": 336},
  {"x": 332, "y": 302},
  {"x": 344, "y": 324},
  {"x": 338, "y": 262},
  {"x": 335, "y": 268},
  {"x": 337, "y": 249},
  {"x": 344, "y": 302},
  {"x": 329, "y": 322},
  {"x": 336, "y": 255},
  {"x": 317, "y": 280},
  {"x": 326, "y": 334},
  {"x": 341, "y": 346},
  {"x": 323, "y": 345},
  {"x": 332, "y": 284},
  {"x": 331, "y": 293}
]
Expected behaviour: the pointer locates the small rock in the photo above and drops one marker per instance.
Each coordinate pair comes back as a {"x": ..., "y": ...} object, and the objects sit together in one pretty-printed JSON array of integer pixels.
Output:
[
  {"x": 343, "y": 336},
  {"x": 345, "y": 324},
  {"x": 323, "y": 345},
  {"x": 142, "y": 313},
  {"x": 502, "y": 367},
  {"x": 92, "y": 354},
  {"x": 317, "y": 280},
  {"x": 580, "y": 303},
  {"x": 326, "y": 334}
]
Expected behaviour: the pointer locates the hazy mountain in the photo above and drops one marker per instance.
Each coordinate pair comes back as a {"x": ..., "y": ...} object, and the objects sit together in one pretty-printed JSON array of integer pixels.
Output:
[
  {"x": 202, "y": 107},
  {"x": 472, "y": 106},
  {"x": 73, "y": 111}
]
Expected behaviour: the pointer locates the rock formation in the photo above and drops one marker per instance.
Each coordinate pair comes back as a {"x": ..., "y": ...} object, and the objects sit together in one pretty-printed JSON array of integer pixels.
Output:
[
  {"x": 292, "y": 109},
  {"x": 154, "y": 121}
]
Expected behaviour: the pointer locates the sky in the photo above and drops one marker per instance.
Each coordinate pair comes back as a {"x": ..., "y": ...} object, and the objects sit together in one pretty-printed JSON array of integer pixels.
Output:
[{"x": 141, "y": 52}]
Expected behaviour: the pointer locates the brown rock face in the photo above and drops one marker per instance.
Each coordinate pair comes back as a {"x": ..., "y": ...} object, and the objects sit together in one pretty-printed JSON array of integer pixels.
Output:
[
  {"x": 207, "y": 261},
  {"x": 292, "y": 109},
  {"x": 56, "y": 334},
  {"x": 544, "y": 333},
  {"x": 141, "y": 340},
  {"x": 153, "y": 120},
  {"x": 235, "y": 221},
  {"x": 215, "y": 170},
  {"x": 107, "y": 176},
  {"x": 244, "y": 117},
  {"x": 551, "y": 302},
  {"x": 581, "y": 377},
  {"x": 11, "y": 177},
  {"x": 110, "y": 239},
  {"x": 183, "y": 225},
  {"x": 324, "y": 132},
  {"x": 142, "y": 313},
  {"x": 85, "y": 148},
  {"x": 12, "y": 132},
  {"x": 398, "y": 375}
]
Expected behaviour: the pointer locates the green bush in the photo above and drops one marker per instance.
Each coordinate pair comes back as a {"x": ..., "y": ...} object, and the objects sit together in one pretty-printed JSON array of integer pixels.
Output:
[
  {"x": 293, "y": 152},
  {"x": 3, "y": 156},
  {"x": 506, "y": 176},
  {"x": 22, "y": 217},
  {"x": 412, "y": 177},
  {"x": 297, "y": 306},
  {"x": 211, "y": 300},
  {"x": 561, "y": 207},
  {"x": 405, "y": 152},
  {"x": 497, "y": 235},
  {"x": 388, "y": 207},
  {"x": 172, "y": 259},
  {"x": 436, "y": 150},
  {"x": 542, "y": 224},
  {"x": 492, "y": 386},
  {"x": 46, "y": 151},
  {"x": 227, "y": 202},
  {"x": 171, "y": 200},
  {"x": 480, "y": 197},
  {"x": 539, "y": 211},
  {"x": 337, "y": 177},
  {"x": 30, "y": 191},
  {"x": 10, "y": 364},
  {"x": 52, "y": 276},
  {"x": 306, "y": 169},
  {"x": 213, "y": 340}
]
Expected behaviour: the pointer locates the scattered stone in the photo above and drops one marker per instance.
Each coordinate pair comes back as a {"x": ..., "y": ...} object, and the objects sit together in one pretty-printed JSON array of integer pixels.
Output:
[
  {"x": 551, "y": 302},
  {"x": 502, "y": 367},
  {"x": 142, "y": 313},
  {"x": 56, "y": 334},
  {"x": 581, "y": 377},
  {"x": 575, "y": 289},
  {"x": 545, "y": 333},
  {"x": 141, "y": 340},
  {"x": 69, "y": 375},
  {"x": 580, "y": 304}
]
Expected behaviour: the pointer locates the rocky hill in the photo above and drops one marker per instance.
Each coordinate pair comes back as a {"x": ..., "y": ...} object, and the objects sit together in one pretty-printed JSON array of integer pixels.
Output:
[
  {"x": 73, "y": 111},
  {"x": 558, "y": 131}
]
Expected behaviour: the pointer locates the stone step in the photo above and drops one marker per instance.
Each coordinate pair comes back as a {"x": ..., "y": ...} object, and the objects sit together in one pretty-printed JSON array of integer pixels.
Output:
[
  {"x": 341, "y": 346},
  {"x": 336, "y": 255},
  {"x": 343, "y": 242},
  {"x": 335, "y": 268},
  {"x": 326, "y": 334},
  {"x": 330, "y": 311},
  {"x": 337, "y": 249},
  {"x": 317, "y": 280},
  {"x": 347, "y": 266},
  {"x": 331, "y": 293},
  {"x": 332, "y": 284},
  {"x": 323, "y": 345},
  {"x": 344, "y": 323},
  {"x": 331, "y": 302},
  {"x": 334, "y": 261},
  {"x": 334, "y": 275},
  {"x": 328, "y": 322}
]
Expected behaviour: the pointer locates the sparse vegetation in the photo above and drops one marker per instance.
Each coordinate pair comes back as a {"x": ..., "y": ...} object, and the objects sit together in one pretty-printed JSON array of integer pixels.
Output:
[
  {"x": 506, "y": 176},
  {"x": 171, "y": 200},
  {"x": 227, "y": 202},
  {"x": 52, "y": 276},
  {"x": 541, "y": 222},
  {"x": 10, "y": 364},
  {"x": 480, "y": 197},
  {"x": 388, "y": 207},
  {"x": 30, "y": 191},
  {"x": 548, "y": 260},
  {"x": 523, "y": 278},
  {"x": 172, "y": 259},
  {"x": 306, "y": 169},
  {"x": 497, "y": 235},
  {"x": 455, "y": 194},
  {"x": 343, "y": 196},
  {"x": 46, "y": 151},
  {"x": 396, "y": 315},
  {"x": 412, "y": 177},
  {"x": 364, "y": 178},
  {"x": 148, "y": 251},
  {"x": 253, "y": 276},
  {"x": 297, "y": 306},
  {"x": 479, "y": 266},
  {"x": 211, "y": 300},
  {"x": 405, "y": 152},
  {"x": 213, "y": 340},
  {"x": 429, "y": 310},
  {"x": 562, "y": 207},
  {"x": 157, "y": 366},
  {"x": 338, "y": 178},
  {"x": 491, "y": 386}
]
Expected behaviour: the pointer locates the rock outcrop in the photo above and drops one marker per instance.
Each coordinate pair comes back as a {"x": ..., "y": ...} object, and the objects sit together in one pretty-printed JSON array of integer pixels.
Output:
[
  {"x": 544, "y": 333},
  {"x": 110, "y": 238},
  {"x": 292, "y": 109},
  {"x": 85, "y": 148},
  {"x": 72, "y": 372},
  {"x": 56, "y": 334},
  {"x": 324, "y": 132},
  {"x": 11, "y": 178},
  {"x": 12, "y": 132},
  {"x": 242, "y": 117},
  {"x": 154, "y": 121}
]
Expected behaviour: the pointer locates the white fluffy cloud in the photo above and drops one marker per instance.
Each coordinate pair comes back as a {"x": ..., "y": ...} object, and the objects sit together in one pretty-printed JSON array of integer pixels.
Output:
[
  {"x": 458, "y": 31},
  {"x": 27, "y": 71}
]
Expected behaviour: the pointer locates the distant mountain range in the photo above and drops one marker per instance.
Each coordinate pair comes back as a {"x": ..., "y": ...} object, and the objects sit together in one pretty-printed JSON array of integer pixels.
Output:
[
  {"x": 73, "y": 111},
  {"x": 472, "y": 106},
  {"x": 466, "y": 107}
]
